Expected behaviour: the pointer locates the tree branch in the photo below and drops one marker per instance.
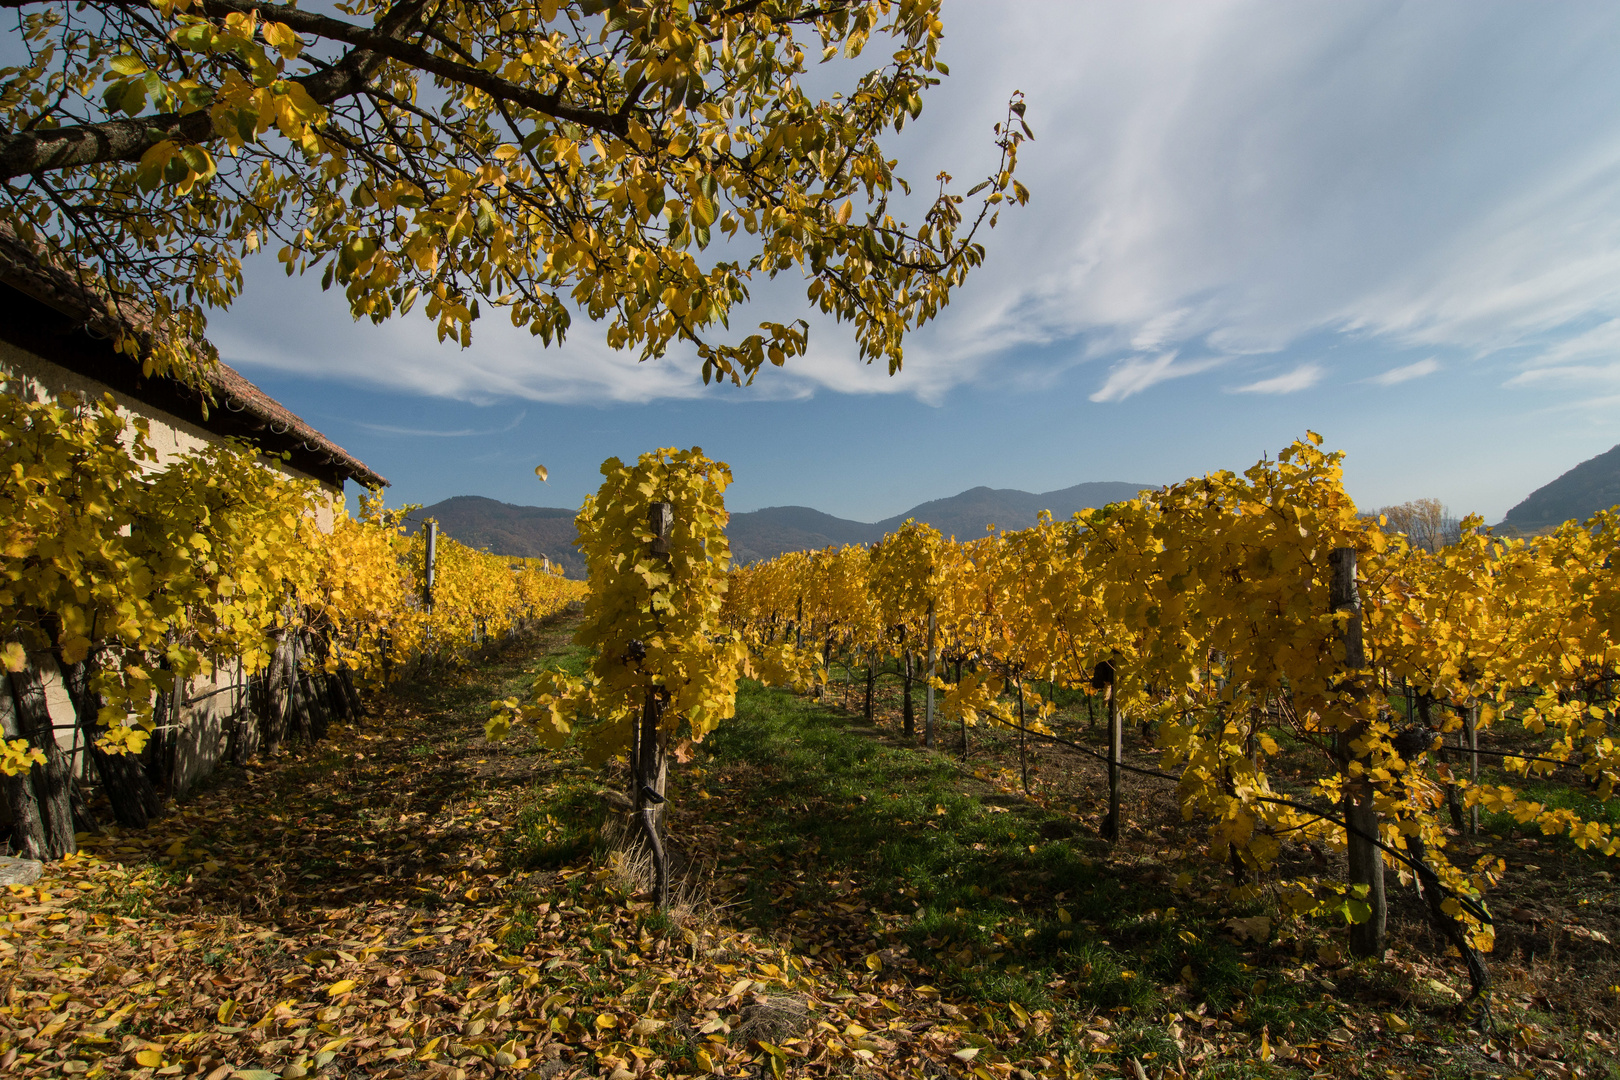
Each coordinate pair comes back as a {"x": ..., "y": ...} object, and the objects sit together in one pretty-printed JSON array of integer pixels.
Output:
[
  {"x": 412, "y": 54},
  {"x": 24, "y": 153}
]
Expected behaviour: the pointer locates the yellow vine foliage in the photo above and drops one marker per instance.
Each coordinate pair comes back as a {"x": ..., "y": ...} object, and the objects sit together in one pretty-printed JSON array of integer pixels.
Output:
[
  {"x": 1211, "y": 599},
  {"x": 154, "y": 575},
  {"x": 652, "y": 621}
]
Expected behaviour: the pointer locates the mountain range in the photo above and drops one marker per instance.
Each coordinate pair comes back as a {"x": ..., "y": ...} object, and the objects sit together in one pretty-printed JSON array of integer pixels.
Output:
[
  {"x": 533, "y": 531},
  {"x": 1591, "y": 486}
]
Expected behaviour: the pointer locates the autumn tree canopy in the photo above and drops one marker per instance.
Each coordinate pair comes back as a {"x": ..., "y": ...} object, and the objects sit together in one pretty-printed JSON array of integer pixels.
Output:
[{"x": 642, "y": 161}]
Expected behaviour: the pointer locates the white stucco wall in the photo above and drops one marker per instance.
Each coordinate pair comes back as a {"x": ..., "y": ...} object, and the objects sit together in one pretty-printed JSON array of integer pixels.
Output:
[
  {"x": 213, "y": 706},
  {"x": 25, "y": 375}
]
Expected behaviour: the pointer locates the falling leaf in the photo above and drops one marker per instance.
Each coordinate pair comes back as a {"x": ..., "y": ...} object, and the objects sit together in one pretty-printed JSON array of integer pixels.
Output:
[
  {"x": 13, "y": 656},
  {"x": 540, "y": 471}
]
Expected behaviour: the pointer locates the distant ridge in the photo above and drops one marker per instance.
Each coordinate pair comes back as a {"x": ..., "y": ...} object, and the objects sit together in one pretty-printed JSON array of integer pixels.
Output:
[
  {"x": 767, "y": 533},
  {"x": 1591, "y": 486},
  {"x": 527, "y": 532},
  {"x": 533, "y": 531}
]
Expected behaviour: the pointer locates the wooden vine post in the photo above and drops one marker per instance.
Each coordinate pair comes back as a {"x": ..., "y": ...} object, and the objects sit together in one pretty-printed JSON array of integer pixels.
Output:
[
  {"x": 933, "y": 663},
  {"x": 430, "y": 562},
  {"x": 908, "y": 715},
  {"x": 1471, "y": 732},
  {"x": 652, "y": 759},
  {"x": 1366, "y": 861},
  {"x": 1104, "y": 678},
  {"x": 1023, "y": 734},
  {"x": 871, "y": 682}
]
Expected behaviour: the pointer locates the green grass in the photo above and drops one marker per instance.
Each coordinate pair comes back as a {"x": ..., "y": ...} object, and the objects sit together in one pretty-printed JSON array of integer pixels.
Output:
[
  {"x": 1554, "y": 795},
  {"x": 834, "y": 815},
  {"x": 559, "y": 826}
]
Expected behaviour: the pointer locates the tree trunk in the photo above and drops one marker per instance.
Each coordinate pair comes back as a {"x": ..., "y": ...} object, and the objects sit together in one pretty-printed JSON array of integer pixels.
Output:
[
  {"x": 1366, "y": 861},
  {"x": 312, "y": 696},
  {"x": 1116, "y": 755},
  {"x": 158, "y": 758},
  {"x": 1471, "y": 732},
  {"x": 1023, "y": 736},
  {"x": 251, "y": 711},
  {"x": 964, "y": 714},
  {"x": 51, "y": 782},
  {"x": 129, "y": 790},
  {"x": 652, "y": 764},
  {"x": 1479, "y": 976},
  {"x": 277, "y": 685},
  {"x": 907, "y": 716},
  {"x": 871, "y": 681},
  {"x": 27, "y": 828}
]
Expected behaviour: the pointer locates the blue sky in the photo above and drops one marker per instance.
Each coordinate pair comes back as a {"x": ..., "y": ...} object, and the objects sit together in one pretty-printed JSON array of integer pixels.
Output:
[{"x": 1397, "y": 224}]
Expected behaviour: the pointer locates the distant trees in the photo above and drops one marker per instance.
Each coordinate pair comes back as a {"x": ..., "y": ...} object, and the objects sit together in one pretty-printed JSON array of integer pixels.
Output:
[{"x": 1426, "y": 523}]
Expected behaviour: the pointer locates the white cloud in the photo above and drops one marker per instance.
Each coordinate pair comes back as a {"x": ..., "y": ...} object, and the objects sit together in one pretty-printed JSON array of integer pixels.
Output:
[
  {"x": 1218, "y": 176},
  {"x": 1241, "y": 175},
  {"x": 1589, "y": 360},
  {"x": 1135, "y": 374},
  {"x": 1301, "y": 378},
  {"x": 1396, "y": 376},
  {"x": 1570, "y": 375}
]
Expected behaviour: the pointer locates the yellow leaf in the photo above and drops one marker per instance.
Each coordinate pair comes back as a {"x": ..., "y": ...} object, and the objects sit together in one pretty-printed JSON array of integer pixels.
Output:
[
  {"x": 150, "y": 1059},
  {"x": 342, "y": 986},
  {"x": 14, "y": 656},
  {"x": 874, "y": 962},
  {"x": 606, "y": 1021},
  {"x": 540, "y": 471}
]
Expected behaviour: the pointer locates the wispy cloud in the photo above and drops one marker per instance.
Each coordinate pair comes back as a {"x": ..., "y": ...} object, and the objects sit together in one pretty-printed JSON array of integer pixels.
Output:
[
  {"x": 1377, "y": 169},
  {"x": 1135, "y": 374},
  {"x": 1301, "y": 378},
  {"x": 391, "y": 429},
  {"x": 1396, "y": 376},
  {"x": 1589, "y": 360},
  {"x": 1570, "y": 375}
]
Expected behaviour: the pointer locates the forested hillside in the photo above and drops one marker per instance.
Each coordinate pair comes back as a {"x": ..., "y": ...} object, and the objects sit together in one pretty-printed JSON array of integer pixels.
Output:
[
  {"x": 529, "y": 532},
  {"x": 1591, "y": 486}
]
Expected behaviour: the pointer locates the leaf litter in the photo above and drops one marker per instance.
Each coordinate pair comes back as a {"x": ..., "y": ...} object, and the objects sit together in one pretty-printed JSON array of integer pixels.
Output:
[{"x": 399, "y": 901}]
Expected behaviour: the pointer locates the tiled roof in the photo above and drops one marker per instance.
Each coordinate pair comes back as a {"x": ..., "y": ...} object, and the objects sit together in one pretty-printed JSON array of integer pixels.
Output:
[{"x": 226, "y": 387}]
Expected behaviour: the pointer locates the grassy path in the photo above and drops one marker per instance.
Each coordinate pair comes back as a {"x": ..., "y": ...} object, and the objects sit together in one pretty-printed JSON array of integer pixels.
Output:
[{"x": 408, "y": 900}]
